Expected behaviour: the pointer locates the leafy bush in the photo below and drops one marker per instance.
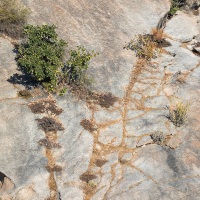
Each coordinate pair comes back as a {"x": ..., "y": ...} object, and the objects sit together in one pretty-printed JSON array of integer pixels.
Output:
[
  {"x": 78, "y": 64},
  {"x": 144, "y": 46},
  {"x": 178, "y": 115},
  {"x": 41, "y": 55},
  {"x": 13, "y": 15}
]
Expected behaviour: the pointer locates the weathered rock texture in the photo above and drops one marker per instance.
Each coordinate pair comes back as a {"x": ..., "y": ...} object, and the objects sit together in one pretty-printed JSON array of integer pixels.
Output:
[{"x": 118, "y": 159}]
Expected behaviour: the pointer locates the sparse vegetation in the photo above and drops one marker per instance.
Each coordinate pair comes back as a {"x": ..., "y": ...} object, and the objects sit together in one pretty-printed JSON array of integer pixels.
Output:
[
  {"x": 13, "y": 16},
  {"x": 147, "y": 46},
  {"x": 92, "y": 184},
  {"x": 175, "y": 6},
  {"x": 144, "y": 46},
  {"x": 178, "y": 115},
  {"x": 158, "y": 137}
]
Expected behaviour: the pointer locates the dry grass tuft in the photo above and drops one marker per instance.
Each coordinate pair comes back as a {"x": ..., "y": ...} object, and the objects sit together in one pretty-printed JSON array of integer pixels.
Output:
[
  {"x": 13, "y": 15},
  {"x": 178, "y": 115}
]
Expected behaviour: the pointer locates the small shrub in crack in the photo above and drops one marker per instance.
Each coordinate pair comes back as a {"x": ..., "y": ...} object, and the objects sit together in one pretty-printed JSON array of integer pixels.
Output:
[
  {"x": 24, "y": 94},
  {"x": 158, "y": 137},
  {"x": 175, "y": 6},
  {"x": 88, "y": 125},
  {"x": 86, "y": 177},
  {"x": 49, "y": 124},
  {"x": 178, "y": 115}
]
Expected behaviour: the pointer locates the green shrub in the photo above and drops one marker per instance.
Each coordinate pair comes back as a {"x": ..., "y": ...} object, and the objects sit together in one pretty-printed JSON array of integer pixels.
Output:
[
  {"x": 77, "y": 65},
  {"x": 13, "y": 15},
  {"x": 41, "y": 55}
]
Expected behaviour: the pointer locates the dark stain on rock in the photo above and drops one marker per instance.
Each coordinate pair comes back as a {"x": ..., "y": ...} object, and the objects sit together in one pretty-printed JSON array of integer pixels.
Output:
[
  {"x": 86, "y": 177},
  {"x": 88, "y": 125},
  {"x": 100, "y": 162},
  {"x": 172, "y": 161}
]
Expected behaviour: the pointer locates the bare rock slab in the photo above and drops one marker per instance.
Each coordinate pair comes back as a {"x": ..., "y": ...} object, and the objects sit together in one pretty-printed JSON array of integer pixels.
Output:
[{"x": 182, "y": 27}]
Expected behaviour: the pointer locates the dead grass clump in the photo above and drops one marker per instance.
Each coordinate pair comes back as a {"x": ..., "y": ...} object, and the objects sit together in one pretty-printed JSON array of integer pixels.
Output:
[
  {"x": 55, "y": 168},
  {"x": 45, "y": 106},
  {"x": 82, "y": 92},
  {"x": 158, "y": 137},
  {"x": 48, "y": 144},
  {"x": 13, "y": 16},
  {"x": 159, "y": 38},
  {"x": 24, "y": 94},
  {"x": 178, "y": 115},
  {"x": 49, "y": 124},
  {"x": 100, "y": 162},
  {"x": 88, "y": 125},
  {"x": 37, "y": 107},
  {"x": 106, "y": 100},
  {"x": 147, "y": 46},
  {"x": 86, "y": 177}
]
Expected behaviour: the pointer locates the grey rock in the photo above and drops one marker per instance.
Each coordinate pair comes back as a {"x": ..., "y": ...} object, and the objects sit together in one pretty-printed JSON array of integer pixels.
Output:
[
  {"x": 22, "y": 158},
  {"x": 183, "y": 60},
  {"x": 111, "y": 135},
  {"x": 131, "y": 142},
  {"x": 182, "y": 27},
  {"x": 158, "y": 102},
  {"x": 71, "y": 193}
]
